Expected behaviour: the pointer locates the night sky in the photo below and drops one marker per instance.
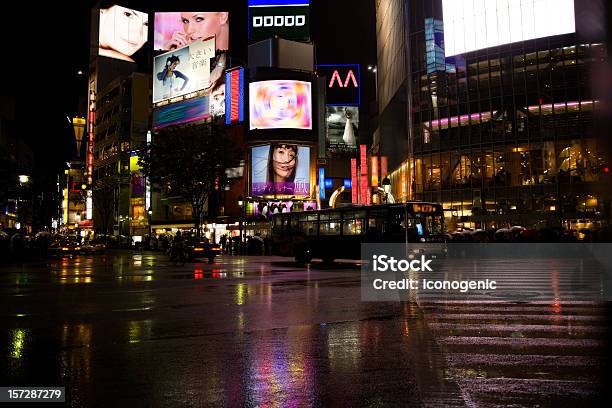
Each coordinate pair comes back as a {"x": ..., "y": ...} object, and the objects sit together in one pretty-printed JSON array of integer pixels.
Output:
[{"x": 44, "y": 48}]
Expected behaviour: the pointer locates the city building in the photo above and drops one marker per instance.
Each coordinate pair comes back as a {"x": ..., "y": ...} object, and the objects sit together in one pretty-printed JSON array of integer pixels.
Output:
[
  {"x": 16, "y": 170},
  {"x": 73, "y": 187},
  {"x": 121, "y": 127},
  {"x": 492, "y": 112}
]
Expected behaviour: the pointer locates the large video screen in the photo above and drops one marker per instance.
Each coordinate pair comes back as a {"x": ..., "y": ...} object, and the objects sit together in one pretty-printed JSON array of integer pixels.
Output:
[
  {"x": 183, "y": 70},
  {"x": 280, "y": 169},
  {"x": 471, "y": 25},
  {"x": 177, "y": 29},
  {"x": 280, "y": 104},
  {"x": 123, "y": 31}
]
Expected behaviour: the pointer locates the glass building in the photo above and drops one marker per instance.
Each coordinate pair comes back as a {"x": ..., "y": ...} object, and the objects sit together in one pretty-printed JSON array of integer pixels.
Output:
[{"x": 489, "y": 108}]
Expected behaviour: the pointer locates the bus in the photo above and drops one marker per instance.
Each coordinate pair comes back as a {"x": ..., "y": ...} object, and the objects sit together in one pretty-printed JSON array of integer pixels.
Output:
[{"x": 337, "y": 233}]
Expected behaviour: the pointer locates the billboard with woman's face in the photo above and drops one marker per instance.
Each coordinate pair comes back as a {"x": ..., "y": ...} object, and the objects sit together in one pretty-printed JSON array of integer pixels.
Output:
[
  {"x": 177, "y": 29},
  {"x": 123, "y": 31},
  {"x": 280, "y": 169},
  {"x": 280, "y": 104}
]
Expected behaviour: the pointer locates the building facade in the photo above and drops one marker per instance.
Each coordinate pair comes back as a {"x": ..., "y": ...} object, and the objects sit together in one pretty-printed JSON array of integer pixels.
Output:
[
  {"x": 16, "y": 170},
  {"x": 121, "y": 126},
  {"x": 495, "y": 117}
]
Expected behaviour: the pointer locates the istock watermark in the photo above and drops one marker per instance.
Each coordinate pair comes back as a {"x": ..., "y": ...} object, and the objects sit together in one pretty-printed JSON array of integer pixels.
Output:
[
  {"x": 489, "y": 272},
  {"x": 384, "y": 263}
]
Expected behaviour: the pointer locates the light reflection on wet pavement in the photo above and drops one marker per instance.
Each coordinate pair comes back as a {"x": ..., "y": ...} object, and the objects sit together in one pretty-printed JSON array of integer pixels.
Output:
[{"x": 134, "y": 329}]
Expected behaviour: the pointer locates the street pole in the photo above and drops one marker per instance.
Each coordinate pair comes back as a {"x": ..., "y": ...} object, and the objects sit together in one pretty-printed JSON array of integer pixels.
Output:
[{"x": 241, "y": 204}]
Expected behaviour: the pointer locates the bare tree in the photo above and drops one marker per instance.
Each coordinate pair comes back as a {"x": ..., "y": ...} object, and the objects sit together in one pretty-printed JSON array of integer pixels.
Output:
[
  {"x": 188, "y": 161},
  {"x": 104, "y": 204}
]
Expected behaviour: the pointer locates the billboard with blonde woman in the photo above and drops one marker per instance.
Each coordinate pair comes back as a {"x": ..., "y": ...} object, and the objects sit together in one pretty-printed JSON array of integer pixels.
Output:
[{"x": 177, "y": 29}]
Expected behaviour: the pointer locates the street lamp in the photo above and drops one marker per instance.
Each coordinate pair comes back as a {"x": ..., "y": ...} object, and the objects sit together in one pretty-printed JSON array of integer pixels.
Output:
[
  {"x": 241, "y": 205},
  {"x": 374, "y": 69},
  {"x": 386, "y": 183},
  {"x": 120, "y": 226}
]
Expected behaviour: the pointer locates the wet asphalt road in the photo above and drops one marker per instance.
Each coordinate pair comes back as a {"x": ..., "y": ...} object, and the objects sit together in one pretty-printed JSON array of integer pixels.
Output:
[{"x": 132, "y": 329}]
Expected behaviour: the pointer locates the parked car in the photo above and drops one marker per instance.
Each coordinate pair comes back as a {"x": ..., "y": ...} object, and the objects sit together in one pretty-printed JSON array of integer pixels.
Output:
[{"x": 203, "y": 249}]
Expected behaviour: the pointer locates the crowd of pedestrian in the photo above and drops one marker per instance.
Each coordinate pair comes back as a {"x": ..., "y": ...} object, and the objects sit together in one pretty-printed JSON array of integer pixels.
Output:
[
  {"x": 520, "y": 234},
  {"x": 16, "y": 245},
  {"x": 251, "y": 245}
]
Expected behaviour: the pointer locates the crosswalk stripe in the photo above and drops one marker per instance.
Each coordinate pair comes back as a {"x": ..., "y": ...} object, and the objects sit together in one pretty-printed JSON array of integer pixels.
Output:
[{"x": 503, "y": 353}]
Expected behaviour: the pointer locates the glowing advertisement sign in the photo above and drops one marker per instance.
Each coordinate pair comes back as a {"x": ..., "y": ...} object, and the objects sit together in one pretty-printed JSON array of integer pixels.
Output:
[
  {"x": 383, "y": 166},
  {"x": 217, "y": 100},
  {"x": 363, "y": 167},
  {"x": 175, "y": 30},
  {"x": 181, "y": 112},
  {"x": 280, "y": 104},
  {"x": 342, "y": 129},
  {"x": 179, "y": 72},
  {"x": 322, "y": 183},
  {"x": 363, "y": 154},
  {"x": 474, "y": 25},
  {"x": 123, "y": 31},
  {"x": 90, "y": 152},
  {"x": 234, "y": 96},
  {"x": 354, "y": 183},
  {"x": 280, "y": 169},
  {"x": 374, "y": 170},
  {"x": 343, "y": 84},
  {"x": 288, "y": 19}
]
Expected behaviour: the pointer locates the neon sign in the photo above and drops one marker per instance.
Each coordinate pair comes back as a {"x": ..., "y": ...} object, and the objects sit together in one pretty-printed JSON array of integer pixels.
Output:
[
  {"x": 349, "y": 77},
  {"x": 343, "y": 84},
  {"x": 234, "y": 94}
]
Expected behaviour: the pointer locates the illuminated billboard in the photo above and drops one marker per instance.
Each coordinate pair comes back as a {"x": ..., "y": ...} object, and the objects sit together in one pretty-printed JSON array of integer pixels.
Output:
[
  {"x": 182, "y": 112},
  {"x": 342, "y": 130},
  {"x": 280, "y": 104},
  {"x": 123, "y": 31},
  {"x": 234, "y": 96},
  {"x": 471, "y": 25},
  {"x": 288, "y": 19},
  {"x": 175, "y": 30},
  {"x": 342, "y": 84},
  {"x": 183, "y": 70},
  {"x": 280, "y": 169},
  {"x": 217, "y": 100}
]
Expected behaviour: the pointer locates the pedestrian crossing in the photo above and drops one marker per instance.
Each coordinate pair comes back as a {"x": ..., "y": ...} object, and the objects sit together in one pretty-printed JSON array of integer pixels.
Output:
[{"x": 522, "y": 354}]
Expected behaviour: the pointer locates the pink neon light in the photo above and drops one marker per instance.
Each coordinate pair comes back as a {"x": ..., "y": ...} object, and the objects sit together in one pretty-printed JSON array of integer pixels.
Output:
[
  {"x": 335, "y": 76},
  {"x": 436, "y": 124},
  {"x": 355, "y": 184},
  {"x": 349, "y": 77}
]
